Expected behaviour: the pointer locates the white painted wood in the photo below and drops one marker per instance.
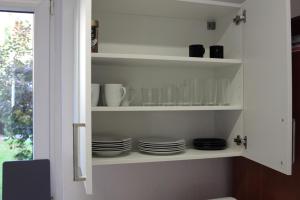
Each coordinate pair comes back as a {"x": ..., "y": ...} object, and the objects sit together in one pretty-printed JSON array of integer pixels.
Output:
[
  {"x": 139, "y": 75},
  {"x": 191, "y": 9},
  {"x": 41, "y": 77},
  {"x": 20, "y": 5},
  {"x": 41, "y": 82},
  {"x": 230, "y": 36},
  {"x": 164, "y": 108},
  {"x": 190, "y": 154},
  {"x": 137, "y": 34},
  {"x": 186, "y": 125},
  {"x": 214, "y": 2},
  {"x": 82, "y": 111},
  {"x": 172, "y": 61},
  {"x": 62, "y": 101},
  {"x": 189, "y": 180},
  {"x": 268, "y": 83}
]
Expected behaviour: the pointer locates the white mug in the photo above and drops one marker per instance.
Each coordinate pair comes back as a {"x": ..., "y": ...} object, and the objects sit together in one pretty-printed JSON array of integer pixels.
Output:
[
  {"x": 114, "y": 94},
  {"x": 95, "y": 94}
]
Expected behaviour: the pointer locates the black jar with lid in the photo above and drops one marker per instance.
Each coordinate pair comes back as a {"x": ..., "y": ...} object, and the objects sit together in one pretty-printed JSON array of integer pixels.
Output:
[{"x": 216, "y": 51}]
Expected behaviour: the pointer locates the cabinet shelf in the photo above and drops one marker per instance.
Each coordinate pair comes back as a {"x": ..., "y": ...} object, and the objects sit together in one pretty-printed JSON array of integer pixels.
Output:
[
  {"x": 164, "y": 108},
  {"x": 185, "y": 9},
  {"x": 190, "y": 154},
  {"x": 157, "y": 60}
]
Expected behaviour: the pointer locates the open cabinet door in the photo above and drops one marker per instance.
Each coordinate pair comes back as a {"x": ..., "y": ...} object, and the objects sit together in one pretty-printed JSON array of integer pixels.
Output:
[
  {"x": 82, "y": 112},
  {"x": 268, "y": 83}
]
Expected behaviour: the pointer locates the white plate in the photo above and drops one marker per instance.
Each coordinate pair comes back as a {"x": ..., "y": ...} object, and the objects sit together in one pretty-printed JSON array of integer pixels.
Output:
[
  {"x": 162, "y": 153},
  {"x": 161, "y": 141},
  {"x": 111, "y": 149},
  {"x": 110, "y": 139},
  {"x": 161, "y": 146},
  {"x": 158, "y": 147},
  {"x": 109, "y": 153},
  {"x": 162, "y": 150},
  {"x": 117, "y": 148},
  {"x": 111, "y": 145}
]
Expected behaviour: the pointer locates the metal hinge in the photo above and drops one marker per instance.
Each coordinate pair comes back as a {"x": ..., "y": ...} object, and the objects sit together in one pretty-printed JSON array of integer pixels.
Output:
[
  {"x": 241, "y": 18},
  {"x": 241, "y": 141},
  {"x": 211, "y": 25},
  {"x": 52, "y": 198},
  {"x": 51, "y": 7}
]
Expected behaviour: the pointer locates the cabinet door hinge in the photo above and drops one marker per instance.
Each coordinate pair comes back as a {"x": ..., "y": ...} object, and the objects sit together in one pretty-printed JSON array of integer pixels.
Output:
[
  {"x": 241, "y": 18},
  {"x": 51, "y": 7},
  {"x": 241, "y": 141},
  {"x": 52, "y": 198}
]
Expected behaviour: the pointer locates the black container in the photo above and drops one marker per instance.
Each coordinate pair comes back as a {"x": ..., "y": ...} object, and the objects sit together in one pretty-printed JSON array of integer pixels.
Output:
[
  {"x": 216, "y": 51},
  {"x": 196, "y": 50}
]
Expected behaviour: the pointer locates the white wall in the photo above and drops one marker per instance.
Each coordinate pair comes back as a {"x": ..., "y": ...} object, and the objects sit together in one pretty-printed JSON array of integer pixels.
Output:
[
  {"x": 188, "y": 180},
  {"x": 295, "y": 8}
]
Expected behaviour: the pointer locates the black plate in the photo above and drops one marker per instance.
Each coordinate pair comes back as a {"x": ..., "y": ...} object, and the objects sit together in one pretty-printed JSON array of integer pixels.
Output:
[{"x": 209, "y": 144}]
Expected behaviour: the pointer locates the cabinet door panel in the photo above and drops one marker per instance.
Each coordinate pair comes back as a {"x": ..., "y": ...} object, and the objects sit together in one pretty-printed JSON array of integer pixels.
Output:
[
  {"x": 268, "y": 83},
  {"x": 82, "y": 110}
]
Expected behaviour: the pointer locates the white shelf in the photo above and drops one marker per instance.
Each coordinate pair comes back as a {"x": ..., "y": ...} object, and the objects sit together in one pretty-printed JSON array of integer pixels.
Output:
[
  {"x": 190, "y": 154},
  {"x": 164, "y": 108},
  {"x": 185, "y": 9},
  {"x": 157, "y": 60}
]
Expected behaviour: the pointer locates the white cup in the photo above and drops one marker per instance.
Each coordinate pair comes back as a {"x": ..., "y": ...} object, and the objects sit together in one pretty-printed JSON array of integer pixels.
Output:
[
  {"x": 114, "y": 94},
  {"x": 95, "y": 94}
]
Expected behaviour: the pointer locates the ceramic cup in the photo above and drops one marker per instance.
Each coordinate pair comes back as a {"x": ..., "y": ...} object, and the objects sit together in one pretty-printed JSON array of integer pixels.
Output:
[
  {"x": 196, "y": 50},
  {"x": 95, "y": 94},
  {"x": 114, "y": 94}
]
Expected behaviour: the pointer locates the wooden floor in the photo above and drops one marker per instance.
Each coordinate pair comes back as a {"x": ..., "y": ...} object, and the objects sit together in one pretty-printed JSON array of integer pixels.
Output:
[{"x": 252, "y": 181}]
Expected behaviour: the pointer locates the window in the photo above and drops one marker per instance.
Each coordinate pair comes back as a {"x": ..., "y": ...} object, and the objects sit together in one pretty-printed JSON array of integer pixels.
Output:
[{"x": 16, "y": 87}]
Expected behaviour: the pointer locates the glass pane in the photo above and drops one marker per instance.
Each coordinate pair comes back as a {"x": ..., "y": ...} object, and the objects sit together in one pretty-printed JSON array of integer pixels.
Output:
[{"x": 16, "y": 87}]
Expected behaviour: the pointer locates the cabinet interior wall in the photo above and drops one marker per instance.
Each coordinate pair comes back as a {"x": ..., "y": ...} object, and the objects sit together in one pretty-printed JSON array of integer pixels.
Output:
[
  {"x": 139, "y": 30},
  {"x": 187, "y": 125},
  {"x": 161, "y": 35},
  {"x": 139, "y": 77}
]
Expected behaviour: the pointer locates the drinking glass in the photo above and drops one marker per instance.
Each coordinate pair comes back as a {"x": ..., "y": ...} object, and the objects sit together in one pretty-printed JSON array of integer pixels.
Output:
[
  {"x": 150, "y": 96},
  {"x": 155, "y": 96},
  {"x": 185, "y": 93},
  {"x": 169, "y": 95},
  {"x": 95, "y": 94},
  {"x": 223, "y": 91},
  {"x": 146, "y": 96},
  {"x": 197, "y": 92},
  {"x": 210, "y": 92},
  {"x": 130, "y": 97}
]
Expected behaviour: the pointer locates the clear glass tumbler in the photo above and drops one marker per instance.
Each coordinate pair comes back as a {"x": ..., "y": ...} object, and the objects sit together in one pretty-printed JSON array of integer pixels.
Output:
[
  {"x": 146, "y": 97},
  {"x": 223, "y": 92},
  {"x": 197, "y": 92},
  {"x": 185, "y": 93},
  {"x": 169, "y": 94},
  {"x": 155, "y": 97},
  {"x": 210, "y": 92}
]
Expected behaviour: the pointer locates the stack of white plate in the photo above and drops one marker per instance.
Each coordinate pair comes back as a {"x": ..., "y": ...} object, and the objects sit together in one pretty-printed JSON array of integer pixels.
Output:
[
  {"x": 110, "y": 146},
  {"x": 161, "y": 146}
]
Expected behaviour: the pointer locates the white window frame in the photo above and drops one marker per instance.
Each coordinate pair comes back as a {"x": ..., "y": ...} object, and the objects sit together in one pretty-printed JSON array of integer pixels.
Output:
[{"x": 41, "y": 72}]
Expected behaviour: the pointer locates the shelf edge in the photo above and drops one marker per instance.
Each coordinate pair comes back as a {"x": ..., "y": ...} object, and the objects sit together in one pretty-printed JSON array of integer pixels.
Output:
[
  {"x": 214, "y": 3},
  {"x": 152, "y": 159}
]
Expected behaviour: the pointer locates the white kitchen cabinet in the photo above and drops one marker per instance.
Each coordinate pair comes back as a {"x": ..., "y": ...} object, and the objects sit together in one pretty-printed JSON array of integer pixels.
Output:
[{"x": 145, "y": 43}]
